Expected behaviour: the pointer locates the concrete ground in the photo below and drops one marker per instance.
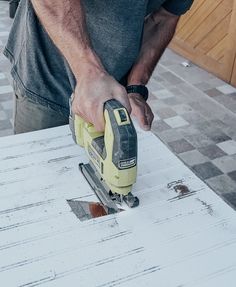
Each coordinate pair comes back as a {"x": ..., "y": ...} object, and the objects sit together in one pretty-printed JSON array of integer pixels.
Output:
[{"x": 195, "y": 115}]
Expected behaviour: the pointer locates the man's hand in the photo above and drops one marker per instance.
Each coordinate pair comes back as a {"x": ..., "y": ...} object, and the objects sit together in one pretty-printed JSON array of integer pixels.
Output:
[
  {"x": 94, "y": 88},
  {"x": 141, "y": 111}
]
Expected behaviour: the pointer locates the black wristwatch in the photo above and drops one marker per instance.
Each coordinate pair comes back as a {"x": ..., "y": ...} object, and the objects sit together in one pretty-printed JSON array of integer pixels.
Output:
[{"x": 139, "y": 89}]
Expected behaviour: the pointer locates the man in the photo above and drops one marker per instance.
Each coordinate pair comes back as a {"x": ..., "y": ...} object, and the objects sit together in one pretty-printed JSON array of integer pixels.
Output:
[{"x": 92, "y": 48}]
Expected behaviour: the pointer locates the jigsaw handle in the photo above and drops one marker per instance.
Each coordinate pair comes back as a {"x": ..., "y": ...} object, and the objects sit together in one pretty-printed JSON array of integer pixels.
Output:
[
  {"x": 120, "y": 135},
  {"x": 119, "y": 140},
  {"x": 114, "y": 152}
]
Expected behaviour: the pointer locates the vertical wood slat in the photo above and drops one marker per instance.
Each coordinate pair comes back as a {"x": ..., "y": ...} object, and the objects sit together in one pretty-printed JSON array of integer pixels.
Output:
[
  {"x": 207, "y": 36},
  {"x": 198, "y": 18},
  {"x": 218, "y": 33},
  {"x": 207, "y": 27},
  {"x": 233, "y": 78},
  {"x": 218, "y": 51},
  {"x": 196, "y": 5},
  {"x": 231, "y": 56}
]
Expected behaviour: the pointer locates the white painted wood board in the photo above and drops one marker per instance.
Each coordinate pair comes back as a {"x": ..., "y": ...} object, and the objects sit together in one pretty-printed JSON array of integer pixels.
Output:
[{"x": 168, "y": 241}]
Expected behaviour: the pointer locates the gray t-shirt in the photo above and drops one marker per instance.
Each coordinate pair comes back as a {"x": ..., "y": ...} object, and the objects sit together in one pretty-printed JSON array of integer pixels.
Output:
[{"x": 115, "y": 29}]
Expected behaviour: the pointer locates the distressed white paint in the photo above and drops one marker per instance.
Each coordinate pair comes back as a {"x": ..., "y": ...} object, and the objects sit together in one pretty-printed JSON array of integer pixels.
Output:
[
  {"x": 2, "y": 76},
  {"x": 5, "y": 89},
  {"x": 4, "y": 33},
  {"x": 167, "y": 241}
]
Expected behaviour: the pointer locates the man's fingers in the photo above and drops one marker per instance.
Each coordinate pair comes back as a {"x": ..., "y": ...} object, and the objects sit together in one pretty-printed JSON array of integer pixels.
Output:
[
  {"x": 99, "y": 126},
  {"x": 122, "y": 97},
  {"x": 149, "y": 115},
  {"x": 89, "y": 98},
  {"x": 139, "y": 112},
  {"x": 95, "y": 115},
  {"x": 142, "y": 111},
  {"x": 76, "y": 111},
  {"x": 98, "y": 119}
]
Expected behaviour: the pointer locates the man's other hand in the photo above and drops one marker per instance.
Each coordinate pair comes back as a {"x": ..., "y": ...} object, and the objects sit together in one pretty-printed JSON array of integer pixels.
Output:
[
  {"x": 141, "y": 111},
  {"x": 94, "y": 88}
]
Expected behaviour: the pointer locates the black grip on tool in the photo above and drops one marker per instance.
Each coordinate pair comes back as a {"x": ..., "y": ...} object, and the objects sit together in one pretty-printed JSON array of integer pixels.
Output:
[{"x": 124, "y": 153}]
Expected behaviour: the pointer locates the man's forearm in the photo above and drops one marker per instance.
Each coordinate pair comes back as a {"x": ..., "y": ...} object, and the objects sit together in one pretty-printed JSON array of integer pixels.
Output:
[
  {"x": 65, "y": 23},
  {"x": 159, "y": 29}
]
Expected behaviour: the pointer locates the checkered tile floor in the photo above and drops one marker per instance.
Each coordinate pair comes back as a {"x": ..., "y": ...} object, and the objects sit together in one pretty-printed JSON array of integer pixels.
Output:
[{"x": 195, "y": 115}]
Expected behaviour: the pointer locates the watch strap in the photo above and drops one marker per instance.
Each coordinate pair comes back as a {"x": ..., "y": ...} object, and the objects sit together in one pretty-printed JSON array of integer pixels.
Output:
[{"x": 139, "y": 89}]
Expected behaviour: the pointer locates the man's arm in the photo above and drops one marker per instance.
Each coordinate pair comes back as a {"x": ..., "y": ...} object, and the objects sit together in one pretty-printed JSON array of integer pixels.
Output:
[
  {"x": 65, "y": 23},
  {"x": 159, "y": 29}
]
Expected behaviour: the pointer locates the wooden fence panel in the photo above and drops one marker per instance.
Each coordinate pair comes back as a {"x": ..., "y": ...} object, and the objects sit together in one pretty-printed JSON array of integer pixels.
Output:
[{"x": 206, "y": 35}]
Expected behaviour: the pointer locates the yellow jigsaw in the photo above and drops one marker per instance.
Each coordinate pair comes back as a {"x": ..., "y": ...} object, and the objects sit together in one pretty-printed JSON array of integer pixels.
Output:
[{"x": 112, "y": 167}]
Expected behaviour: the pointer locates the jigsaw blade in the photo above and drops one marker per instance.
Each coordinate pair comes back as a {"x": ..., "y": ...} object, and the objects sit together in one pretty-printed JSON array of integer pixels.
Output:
[{"x": 98, "y": 187}]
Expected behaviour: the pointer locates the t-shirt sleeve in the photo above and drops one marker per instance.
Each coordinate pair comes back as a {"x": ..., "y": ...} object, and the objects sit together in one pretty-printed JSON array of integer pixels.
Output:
[{"x": 177, "y": 7}]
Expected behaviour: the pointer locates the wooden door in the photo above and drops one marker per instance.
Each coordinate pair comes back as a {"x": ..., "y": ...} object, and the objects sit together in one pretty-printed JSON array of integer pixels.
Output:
[
  {"x": 233, "y": 45},
  {"x": 207, "y": 36}
]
